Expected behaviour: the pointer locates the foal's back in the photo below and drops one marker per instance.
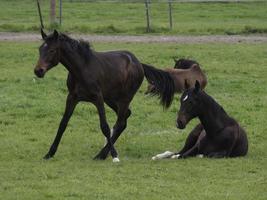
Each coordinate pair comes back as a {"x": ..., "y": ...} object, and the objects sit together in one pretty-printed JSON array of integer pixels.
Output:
[{"x": 241, "y": 146}]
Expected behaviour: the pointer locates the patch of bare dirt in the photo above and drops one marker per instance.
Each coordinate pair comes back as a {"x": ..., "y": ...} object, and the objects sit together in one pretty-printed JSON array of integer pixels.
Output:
[{"x": 145, "y": 39}]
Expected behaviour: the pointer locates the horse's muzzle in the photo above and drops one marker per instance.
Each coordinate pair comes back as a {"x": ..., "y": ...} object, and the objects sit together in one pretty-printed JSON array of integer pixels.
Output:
[{"x": 40, "y": 72}]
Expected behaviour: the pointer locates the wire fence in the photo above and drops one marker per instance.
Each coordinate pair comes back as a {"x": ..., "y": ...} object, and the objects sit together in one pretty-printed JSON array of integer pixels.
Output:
[{"x": 176, "y": 16}]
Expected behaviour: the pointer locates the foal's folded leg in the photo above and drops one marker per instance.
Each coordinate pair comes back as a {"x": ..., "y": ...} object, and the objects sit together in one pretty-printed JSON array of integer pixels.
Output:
[
  {"x": 220, "y": 154},
  {"x": 191, "y": 152},
  {"x": 191, "y": 140},
  {"x": 166, "y": 154}
]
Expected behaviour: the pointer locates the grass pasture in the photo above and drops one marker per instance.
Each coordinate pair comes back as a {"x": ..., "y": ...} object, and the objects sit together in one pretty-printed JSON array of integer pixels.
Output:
[
  {"x": 30, "y": 111},
  {"x": 103, "y": 17}
]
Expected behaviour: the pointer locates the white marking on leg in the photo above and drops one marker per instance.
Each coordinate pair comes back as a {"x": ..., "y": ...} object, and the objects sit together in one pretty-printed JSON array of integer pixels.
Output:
[
  {"x": 166, "y": 154},
  {"x": 116, "y": 159},
  {"x": 175, "y": 156},
  {"x": 111, "y": 133},
  {"x": 200, "y": 156}
]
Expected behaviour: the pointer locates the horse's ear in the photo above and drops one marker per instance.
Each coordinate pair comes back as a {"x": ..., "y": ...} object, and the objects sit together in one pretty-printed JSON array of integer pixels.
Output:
[
  {"x": 55, "y": 34},
  {"x": 197, "y": 87},
  {"x": 44, "y": 36}
]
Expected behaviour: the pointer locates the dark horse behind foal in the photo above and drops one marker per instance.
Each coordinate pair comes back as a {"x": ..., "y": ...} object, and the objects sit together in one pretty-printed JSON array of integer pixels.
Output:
[
  {"x": 99, "y": 77},
  {"x": 218, "y": 135}
]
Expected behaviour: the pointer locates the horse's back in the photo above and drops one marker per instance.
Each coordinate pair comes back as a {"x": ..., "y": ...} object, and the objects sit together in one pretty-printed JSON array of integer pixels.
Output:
[{"x": 121, "y": 73}]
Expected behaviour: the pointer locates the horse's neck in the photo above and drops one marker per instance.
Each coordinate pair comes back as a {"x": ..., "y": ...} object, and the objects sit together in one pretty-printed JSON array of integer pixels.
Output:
[
  {"x": 212, "y": 117},
  {"x": 71, "y": 61}
]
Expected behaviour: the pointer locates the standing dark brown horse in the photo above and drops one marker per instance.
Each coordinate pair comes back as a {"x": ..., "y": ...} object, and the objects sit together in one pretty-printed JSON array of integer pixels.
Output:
[{"x": 99, "y": 77}]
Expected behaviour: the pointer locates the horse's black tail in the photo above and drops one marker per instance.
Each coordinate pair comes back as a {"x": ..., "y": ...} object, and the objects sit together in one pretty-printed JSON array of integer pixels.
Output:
[{"x": 163, "y": 82}]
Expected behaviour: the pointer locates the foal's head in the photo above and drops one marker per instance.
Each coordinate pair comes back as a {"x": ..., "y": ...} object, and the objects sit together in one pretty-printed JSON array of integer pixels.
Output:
[
  {"x": 189, "y": 106},
  {"x": 48, "y": 53}
]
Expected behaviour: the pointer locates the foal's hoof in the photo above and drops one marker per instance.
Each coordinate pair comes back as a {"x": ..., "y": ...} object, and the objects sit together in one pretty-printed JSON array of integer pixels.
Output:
[
  {"x": 166, "y": 154},
  {"x": 176, "y": 156},
  {"x": 47, "y": 156}
]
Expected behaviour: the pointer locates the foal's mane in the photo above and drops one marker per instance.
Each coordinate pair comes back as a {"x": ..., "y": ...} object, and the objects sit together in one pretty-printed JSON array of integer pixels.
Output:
[
  {"x": 211, "y": 100},
  {"x": 80, "y": 46}
]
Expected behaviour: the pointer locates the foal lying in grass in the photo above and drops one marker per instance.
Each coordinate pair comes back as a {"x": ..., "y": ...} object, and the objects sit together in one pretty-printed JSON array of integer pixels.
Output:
[{"x": 218, "y": 135}]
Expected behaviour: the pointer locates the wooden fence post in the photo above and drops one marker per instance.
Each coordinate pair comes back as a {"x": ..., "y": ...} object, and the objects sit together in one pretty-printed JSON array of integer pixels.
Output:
[
  {"x": 170, "y": 13},
  {"x": 147, "y": 16},
  {"x": 52, "y": 11},
  {"x": 60, "y": 12}
]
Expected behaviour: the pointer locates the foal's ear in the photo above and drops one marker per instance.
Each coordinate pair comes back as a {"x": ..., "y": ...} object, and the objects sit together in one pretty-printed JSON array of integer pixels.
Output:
[
  {"x": 197, "y": 87},
  {"x": 44, "y": 36},
  {"x": 55, "y": 34}
]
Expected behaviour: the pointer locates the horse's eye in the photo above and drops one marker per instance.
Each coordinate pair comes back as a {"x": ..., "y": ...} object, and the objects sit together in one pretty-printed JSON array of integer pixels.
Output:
[{"x": 52, "y": 51}]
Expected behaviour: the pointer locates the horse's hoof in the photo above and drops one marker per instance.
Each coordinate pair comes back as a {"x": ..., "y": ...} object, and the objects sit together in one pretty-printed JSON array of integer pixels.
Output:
[
  {"x": 47, "y": 157},
  {"x": 154, "y": 158},
  {"x": 166, "y": 154},
  {"x": 99, "y": 157},
  {"x": 176, "y": 156},
  {"x": 116, "y": 160}
]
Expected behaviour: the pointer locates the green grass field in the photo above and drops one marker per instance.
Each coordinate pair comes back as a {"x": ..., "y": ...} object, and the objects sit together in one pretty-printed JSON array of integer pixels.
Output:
[
  {"x": 129, "y": 18},
  {"x": 30, "y": 111}
]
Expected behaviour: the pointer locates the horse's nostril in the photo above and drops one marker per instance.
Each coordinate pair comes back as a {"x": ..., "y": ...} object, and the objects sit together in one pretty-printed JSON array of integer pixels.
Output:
[
  {"x": 180, "y": 124},
  {"x": 39, "y": 72}
]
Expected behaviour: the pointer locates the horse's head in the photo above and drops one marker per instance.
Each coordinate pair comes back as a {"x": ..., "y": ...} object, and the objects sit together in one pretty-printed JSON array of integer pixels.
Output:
[
  {"x": 48, "y": 53},
  {"x": 183, "y": 63},
  {"x": 189, "y": 106}
]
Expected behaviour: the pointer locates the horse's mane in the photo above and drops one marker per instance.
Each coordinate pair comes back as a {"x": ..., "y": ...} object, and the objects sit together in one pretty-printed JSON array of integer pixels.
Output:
[
  {"x": 212, "y": 102},
  {"x": 80, "y": 46}
]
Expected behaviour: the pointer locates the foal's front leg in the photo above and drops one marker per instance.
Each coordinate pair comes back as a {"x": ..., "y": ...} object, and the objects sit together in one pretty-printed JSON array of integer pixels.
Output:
[{"x": 70, "y": 106}]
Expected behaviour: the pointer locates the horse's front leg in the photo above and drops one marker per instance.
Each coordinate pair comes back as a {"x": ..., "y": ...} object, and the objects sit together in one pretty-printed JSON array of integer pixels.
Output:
[{"x": 70, "y": 106}]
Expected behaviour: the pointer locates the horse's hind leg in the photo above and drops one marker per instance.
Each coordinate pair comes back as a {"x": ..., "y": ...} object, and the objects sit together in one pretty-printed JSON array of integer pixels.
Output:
[
  {"x": 191, "y": 140},
  {"x": 99, "y": 103},
  {"x": 123, "y": 112},
  {"x": 70, "y": 106}
]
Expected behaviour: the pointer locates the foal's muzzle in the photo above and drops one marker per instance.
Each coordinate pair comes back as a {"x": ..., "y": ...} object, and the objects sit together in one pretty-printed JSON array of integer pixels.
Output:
[{"x": 180, "y": 124}]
